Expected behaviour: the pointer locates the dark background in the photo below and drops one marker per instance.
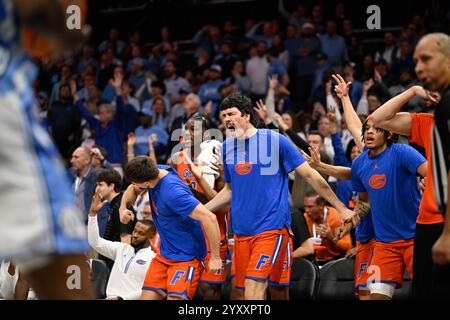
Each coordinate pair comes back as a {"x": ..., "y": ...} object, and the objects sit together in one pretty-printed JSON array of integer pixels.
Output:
[{"x": 185, "y": 17}]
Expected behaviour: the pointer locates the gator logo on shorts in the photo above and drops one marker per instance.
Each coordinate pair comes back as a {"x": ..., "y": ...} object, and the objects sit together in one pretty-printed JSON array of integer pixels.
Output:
[
  {"x": 243, "y": 168},
  {"x": 377, "y": 181},
  {"x": 141, "y": 262}
]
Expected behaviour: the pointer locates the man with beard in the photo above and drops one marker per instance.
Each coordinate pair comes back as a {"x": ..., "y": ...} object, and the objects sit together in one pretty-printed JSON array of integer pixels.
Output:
[{"x": 131, "y": 261}]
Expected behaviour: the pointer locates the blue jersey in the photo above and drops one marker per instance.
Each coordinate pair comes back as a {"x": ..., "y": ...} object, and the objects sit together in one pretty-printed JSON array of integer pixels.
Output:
[
  {"x": 390, "y": 178},
  {"x": 257, "y": 169},
  {"x": 172, "y": 202}
]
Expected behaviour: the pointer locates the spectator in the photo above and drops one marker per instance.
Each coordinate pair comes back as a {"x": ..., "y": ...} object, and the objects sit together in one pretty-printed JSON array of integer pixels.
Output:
[
  {"x": 191, "y": 105},
  {"x": 137, "y": 75},
  {"x": 113, "y": 41},
  {"x": 109, "y": 93},
  {"x": 257, "y": 68},
  {"x": 159, "y": 113},
  {"x": 301, "y": 187},
  {"x": 356, "y": 88},
  {"x": 277, "y": 67},
  {"x": 157, "y": 89},
  {"x": 226, "y": 58},
  {"x": 173, "y": 82},
  {"x": 291, "y": 41},
  {"x": 306, "y": 50},
  {"x": 88, "y": 80},
  {"x": 87, "y": 58},
  {"x": 166, "y": 43},
  {"x": 130, "y": 261},
  {"x": 267, "y": 33},
  {"x": 389, "y": 49},
  {"x": 403, "y": 59},
  {"x": 334, "y": 46},
  {"x": 382, "y": 68},
  {"x": 64, "y": 77},
  {"x": 240, "y": 79},
  {"x": 98, "y": 157},
  {"x": 351, "y": 41},
  {"x": 208, "y": 38},
  {"x": 65, "y": 123},
  {"x": 317, "y": 18},
  {"x": 110, "y": 125},
  {"x": 323, "y": 223},
  {"x": 297, "y": 17},
  {"x": 84, "y": 178},
  {"x": 283, "y": 54},
  {"x": 108, "y": 187},
  {"x": 210, "y": 90},
  {"x": 143, "y": 133},
  {"x": 177, "y": 110},
  {"x": 106, "y": 70}
]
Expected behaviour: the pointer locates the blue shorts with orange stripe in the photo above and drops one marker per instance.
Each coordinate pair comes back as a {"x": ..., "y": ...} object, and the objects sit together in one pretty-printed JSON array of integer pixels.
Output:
[
  {"x": 168, "y": 277},
  {"x": 389, "y": 262},
  {"x": 263, "y": 257},
  {"x": 364, "y": 253}
]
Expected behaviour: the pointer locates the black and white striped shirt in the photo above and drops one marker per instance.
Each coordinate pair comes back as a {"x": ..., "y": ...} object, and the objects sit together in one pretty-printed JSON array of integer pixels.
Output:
[{"x": 440, "y": 142}]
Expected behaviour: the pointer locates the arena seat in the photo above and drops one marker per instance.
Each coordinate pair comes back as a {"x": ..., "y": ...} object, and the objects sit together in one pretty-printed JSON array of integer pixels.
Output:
[
  {"x": 100, "y": 277},
  {"x": 304, "y": 280},
  {"x": 337, "y": 280}
]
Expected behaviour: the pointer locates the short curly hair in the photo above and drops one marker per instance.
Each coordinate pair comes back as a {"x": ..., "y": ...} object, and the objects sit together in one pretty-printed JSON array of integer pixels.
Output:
[
  {"x": 239, "y": 101},
  {"x": 141, "y": 169}
]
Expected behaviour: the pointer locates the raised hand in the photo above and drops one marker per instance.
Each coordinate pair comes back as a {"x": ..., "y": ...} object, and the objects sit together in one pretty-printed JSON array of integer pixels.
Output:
[
  {"x": 117, "y": 83},
  {"x": 331, "y": 115},
  {"x": 261, "y": 111},
  {"x": 131, "y": 139},
  {"x": 273, "y": 81},
  {"x": 341, "y": 88},
  {"x": 208, "y": 108},
  {"x": 96, "y": 203}
]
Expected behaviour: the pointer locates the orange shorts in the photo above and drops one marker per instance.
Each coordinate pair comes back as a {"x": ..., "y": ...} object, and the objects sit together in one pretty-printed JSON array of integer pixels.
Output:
[
  {"x": 263, "y": 257},
  {"x": 364, "y": 253},
  {"x": 218, "y": 277},
  {"x": 168, "y": 277},
  {"x": 389, "y": 262}
]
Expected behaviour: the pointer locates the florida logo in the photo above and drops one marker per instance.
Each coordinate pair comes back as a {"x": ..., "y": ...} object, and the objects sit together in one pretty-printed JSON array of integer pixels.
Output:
[
  {"x": 377, "y": 181},
  {"x": 243, "y": 168}
]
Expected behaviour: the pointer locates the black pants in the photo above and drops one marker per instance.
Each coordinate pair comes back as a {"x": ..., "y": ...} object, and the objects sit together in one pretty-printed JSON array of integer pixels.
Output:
[{"x": 429, "y": 281}]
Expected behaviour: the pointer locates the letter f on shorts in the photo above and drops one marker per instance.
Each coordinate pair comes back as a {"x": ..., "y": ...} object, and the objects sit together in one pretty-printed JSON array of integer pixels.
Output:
[
  {"x": 177, "y": 276},
  {"x": 263, "y": 258}
]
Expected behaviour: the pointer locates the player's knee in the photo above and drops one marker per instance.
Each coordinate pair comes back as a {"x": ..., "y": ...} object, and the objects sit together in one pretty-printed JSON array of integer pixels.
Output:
[{"x": 380, "y": 291}]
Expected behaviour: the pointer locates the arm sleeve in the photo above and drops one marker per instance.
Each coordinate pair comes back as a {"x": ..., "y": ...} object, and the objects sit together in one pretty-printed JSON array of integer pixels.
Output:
[
  {"x": 357, "y": 184},
  {"x": 104, "y": 247},
  {"x": 86, "y": 113},
  {"x": 421, "y": 125},
  {"x": 340, "y": 158},
  {"x": 290, "y": 157},
  {"x": 410, "y": 158}
]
